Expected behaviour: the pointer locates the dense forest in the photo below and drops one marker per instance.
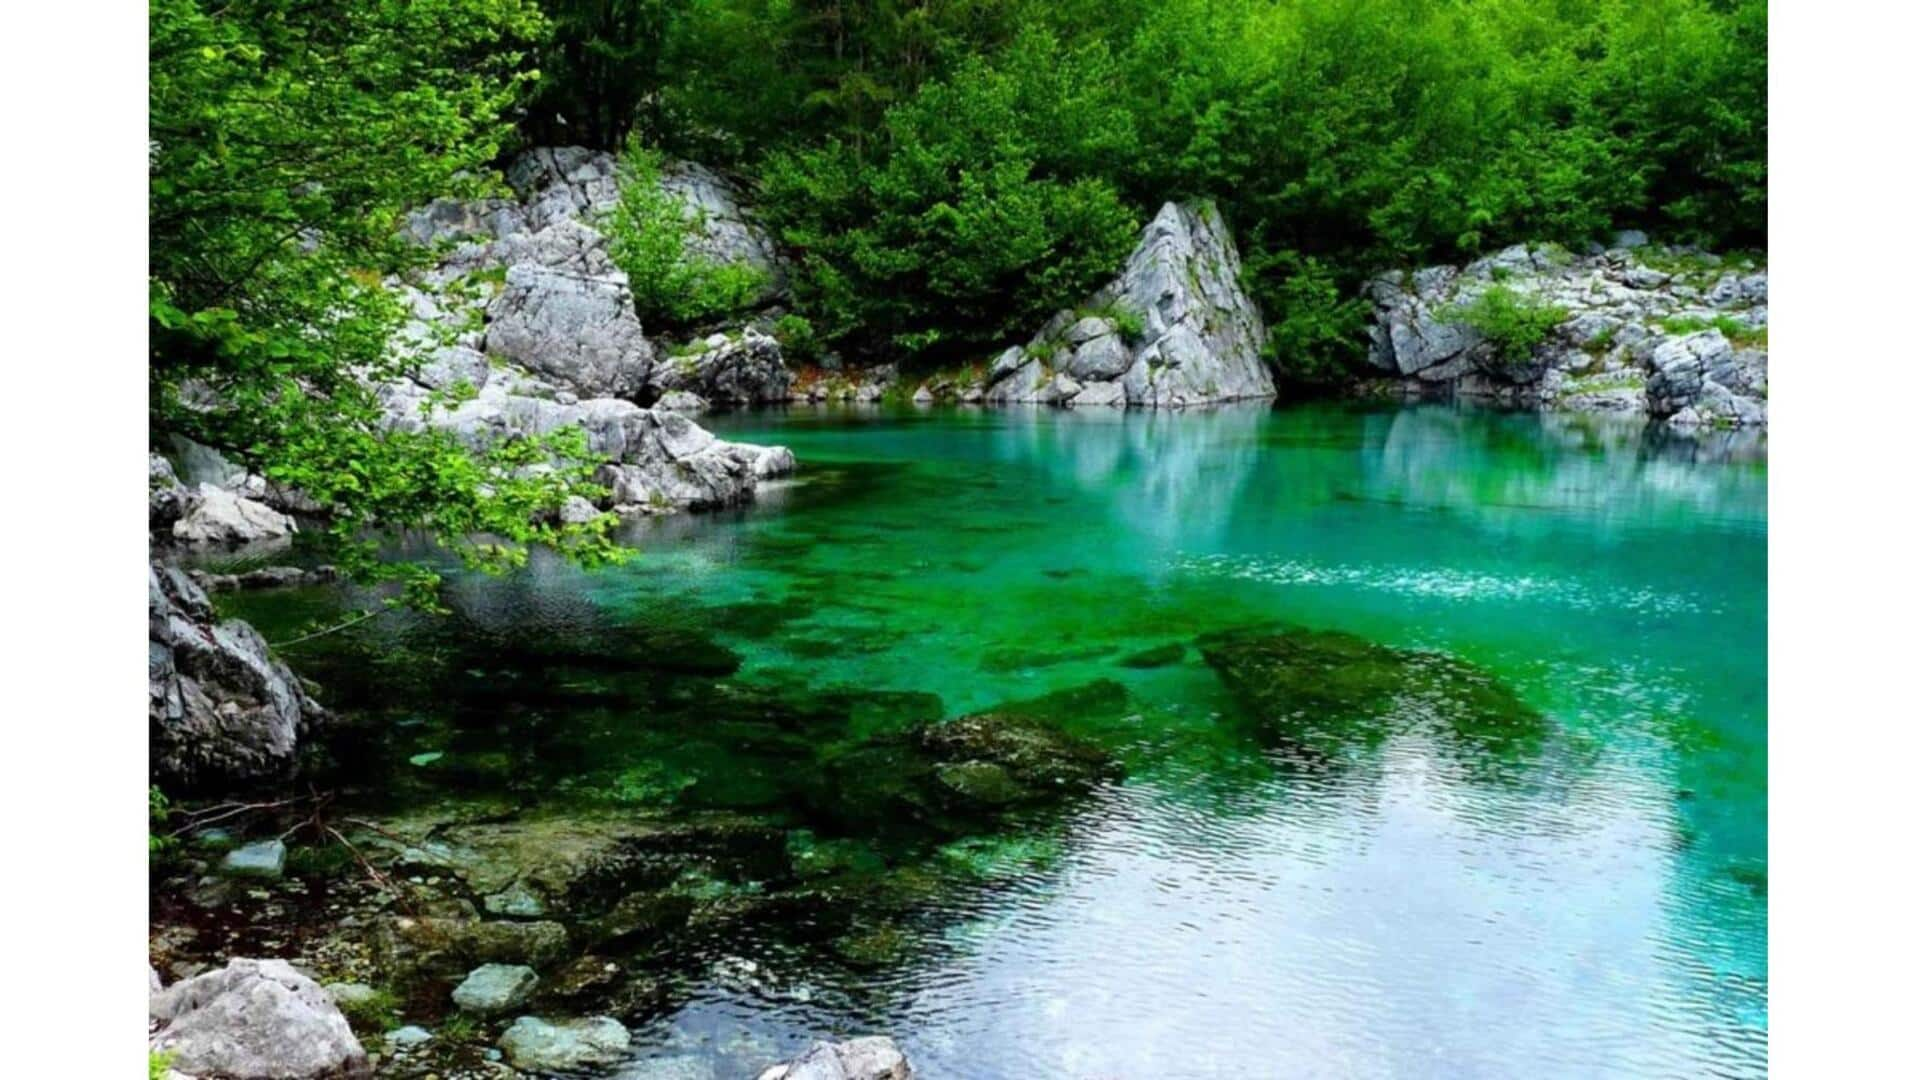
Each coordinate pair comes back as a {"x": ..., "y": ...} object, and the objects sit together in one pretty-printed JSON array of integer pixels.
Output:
[
  {"x": 942, "y": 173},
  {"x": 950, "y": 172}
]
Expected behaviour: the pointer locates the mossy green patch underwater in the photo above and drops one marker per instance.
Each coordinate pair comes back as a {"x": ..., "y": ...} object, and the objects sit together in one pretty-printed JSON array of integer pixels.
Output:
[{"x": 1377, "y": 736}]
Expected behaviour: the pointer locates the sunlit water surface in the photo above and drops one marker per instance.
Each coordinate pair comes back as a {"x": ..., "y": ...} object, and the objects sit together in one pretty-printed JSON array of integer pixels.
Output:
[{"x": 1595, "y": 907}]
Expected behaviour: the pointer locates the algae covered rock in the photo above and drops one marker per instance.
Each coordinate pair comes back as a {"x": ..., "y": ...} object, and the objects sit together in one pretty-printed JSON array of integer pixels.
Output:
[
  {"x": 542, "y": 1046},
  {"x": 1326, "y": 690},
  {"x": 952, "y": 775},
  {"x": 495, "y": 988}
]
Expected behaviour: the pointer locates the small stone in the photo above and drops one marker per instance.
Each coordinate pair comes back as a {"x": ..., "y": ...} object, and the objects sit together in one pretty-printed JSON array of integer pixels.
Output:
[
  {"x": 408, "y": 1037},
  {"x": 495, "y": 988},
  {"x": 265, "y": 859}
]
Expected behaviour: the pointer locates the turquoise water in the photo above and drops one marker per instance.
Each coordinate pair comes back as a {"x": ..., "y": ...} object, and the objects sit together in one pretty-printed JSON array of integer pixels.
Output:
[{"x": 1414, "y": 902}]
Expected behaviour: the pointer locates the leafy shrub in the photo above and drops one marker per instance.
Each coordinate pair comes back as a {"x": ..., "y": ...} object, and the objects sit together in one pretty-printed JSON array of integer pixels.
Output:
[
  {"x": 158, "y": 809},
  {"x": 796, "y": 337},
  {"x": 1319, "y": 330},
  {"x": 1732, "y": 329},
  {"x": 374, "y": 1013},
  {"x": 1131, "y": 325},
  {"x": 1514, "y": 322},
  {"x": 651, "y": 234}
]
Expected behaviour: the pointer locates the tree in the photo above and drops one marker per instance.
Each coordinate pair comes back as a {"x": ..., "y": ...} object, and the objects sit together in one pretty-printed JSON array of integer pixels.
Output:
[
  {"x": 287, "y": 139},
  {"x": 604, "y": 69}
]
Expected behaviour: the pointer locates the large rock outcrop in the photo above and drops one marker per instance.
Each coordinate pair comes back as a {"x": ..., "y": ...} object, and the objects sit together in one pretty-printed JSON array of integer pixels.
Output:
[
  {"x": 563, "y": 191},
  {"x": 254, "y": 1020},
  {"x": 742, "y": 369},
  {"x": 576, "y": 330},
  {"x": 220, "y": 707},
  {"x": 1678, "y": 335},
  {"x": 557, "y": 342},
  {"x": 1173, "y": 329}
]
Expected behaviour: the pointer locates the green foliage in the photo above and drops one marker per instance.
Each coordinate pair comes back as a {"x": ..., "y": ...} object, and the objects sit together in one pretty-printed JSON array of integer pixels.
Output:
[
  {"x": 798, "y": 343},
  {"x": 374, "y": 1013},
  {"x": 1127, "y": 322},
  {"x": 1514, "y": 322},
  {"x": 1735, "y": 331},
  {"x": 287, "y": 140},
  {"x": 652, "y": 235},
  {"x": 600, "y": 70},
  {"x": 1318, "y": 330},
  {"x": 981, "y": 212},
  {"x": 459, "y": 1027},
  {"x": 950, "y": 174},
  {"x": 158, "y": 808},
  {"x": 159, "y": 1063}
]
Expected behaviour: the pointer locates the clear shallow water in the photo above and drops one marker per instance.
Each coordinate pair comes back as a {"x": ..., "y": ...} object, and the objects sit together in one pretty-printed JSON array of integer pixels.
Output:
[{"x": 1417, "y": 904}]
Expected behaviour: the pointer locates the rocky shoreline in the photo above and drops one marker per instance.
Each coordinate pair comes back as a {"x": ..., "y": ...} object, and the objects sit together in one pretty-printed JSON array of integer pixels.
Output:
[{"x": 1677, "y": 335}]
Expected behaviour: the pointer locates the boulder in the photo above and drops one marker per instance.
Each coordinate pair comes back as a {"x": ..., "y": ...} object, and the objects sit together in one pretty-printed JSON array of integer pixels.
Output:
[
  {"x": 216, "y": 515},
  {"x": 1699, "y": 379},
  {"x": 682, "y": 402},
  {"x": 873, "y": 1057},
  {"x": 745, "y": 370},
  {"x": 540, "y": 1046},
  {"x": 579, "y": 331},
  {"x": 254, "y": 1020},
  {"x": 495, "y": 988},
  {"x": 220, "y": 707},
  {"x": 1174, "y": 329},
  {"x": 654, "y": 460}
]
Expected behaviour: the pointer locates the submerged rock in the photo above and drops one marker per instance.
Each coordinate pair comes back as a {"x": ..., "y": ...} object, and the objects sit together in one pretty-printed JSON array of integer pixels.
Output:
[
  {"x": 1325, "y": 689},
  {"x": 872, "y": 1057},
  {"x": 447, "y": 945},
  {"x": 255, "y": 1020},
  {"x": 221, "y": 708},
  {"x": 1174, "y": 329},
  {"x": 948, "y": 775},
  {"x": 541, "y": 1046}
]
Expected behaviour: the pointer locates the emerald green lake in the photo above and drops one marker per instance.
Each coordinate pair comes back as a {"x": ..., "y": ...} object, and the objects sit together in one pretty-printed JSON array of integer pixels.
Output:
[{"x": 1401, "y": 899}]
